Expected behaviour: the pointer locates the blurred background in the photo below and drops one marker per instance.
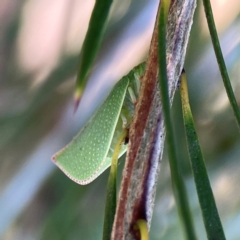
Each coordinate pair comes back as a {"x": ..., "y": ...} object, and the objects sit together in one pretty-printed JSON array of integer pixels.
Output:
[{"x": 40, "y": 42}]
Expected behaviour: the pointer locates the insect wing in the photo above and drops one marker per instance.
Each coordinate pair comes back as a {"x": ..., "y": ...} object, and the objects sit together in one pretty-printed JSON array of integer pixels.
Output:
[{"x": 86, "y": 156}]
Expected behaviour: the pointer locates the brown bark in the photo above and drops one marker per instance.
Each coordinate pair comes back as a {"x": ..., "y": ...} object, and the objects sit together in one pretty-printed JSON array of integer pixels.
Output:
[{"x": 146, "y": 138}]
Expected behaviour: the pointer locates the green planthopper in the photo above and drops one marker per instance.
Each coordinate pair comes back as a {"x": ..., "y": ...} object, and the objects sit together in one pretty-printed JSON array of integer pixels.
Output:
[{"x": 90, "y": 152}]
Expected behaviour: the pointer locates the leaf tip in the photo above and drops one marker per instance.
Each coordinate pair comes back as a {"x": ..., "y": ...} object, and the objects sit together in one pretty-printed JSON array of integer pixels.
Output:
[{"x": 77, "y": 99}]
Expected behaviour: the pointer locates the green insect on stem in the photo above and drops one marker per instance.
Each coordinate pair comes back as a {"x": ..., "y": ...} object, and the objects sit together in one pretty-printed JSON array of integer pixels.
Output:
[{"x": 90, "y": 152}]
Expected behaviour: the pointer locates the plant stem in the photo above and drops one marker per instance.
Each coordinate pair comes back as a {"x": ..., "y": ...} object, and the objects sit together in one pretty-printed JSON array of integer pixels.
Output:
[
  {"x": 111, "y": 199},
  {"x": 177, "y": 181}
]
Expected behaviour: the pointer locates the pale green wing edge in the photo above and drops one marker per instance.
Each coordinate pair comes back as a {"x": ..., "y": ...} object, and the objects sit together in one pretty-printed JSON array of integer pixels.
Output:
[{"x": 85, "y": 157}]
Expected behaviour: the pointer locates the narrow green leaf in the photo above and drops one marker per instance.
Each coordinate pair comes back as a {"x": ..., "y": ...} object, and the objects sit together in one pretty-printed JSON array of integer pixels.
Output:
[
  {"x": 111, "y": 199},
  {"x": 220, "y": 59},
  {"x": 90, "y": 152},
  {"x": 210, "y": 215},
  {"x": 177, "y": 181},
  {"x": 91, "y": 44}
]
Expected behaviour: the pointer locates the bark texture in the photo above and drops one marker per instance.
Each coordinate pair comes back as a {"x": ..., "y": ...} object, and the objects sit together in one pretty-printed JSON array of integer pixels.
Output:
[{"x": 147, "y": 133}]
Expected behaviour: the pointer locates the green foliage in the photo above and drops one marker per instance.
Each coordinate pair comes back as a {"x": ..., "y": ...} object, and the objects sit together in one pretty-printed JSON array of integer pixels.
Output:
[
  {"x": 220, "y": 60},
  {"x": 111, "y": 199},
  {"x": 91, "y": 43},
  {"x": 210, "y": 214}
]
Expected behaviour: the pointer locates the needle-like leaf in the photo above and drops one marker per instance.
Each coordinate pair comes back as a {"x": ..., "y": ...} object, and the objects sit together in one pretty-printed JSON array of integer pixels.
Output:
[
  {"x": 111, "y": 199},
  {"x": 91, "y": 45},
  {"x": 210, "y": 215},
  {"x": 220, "y": 59}
]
